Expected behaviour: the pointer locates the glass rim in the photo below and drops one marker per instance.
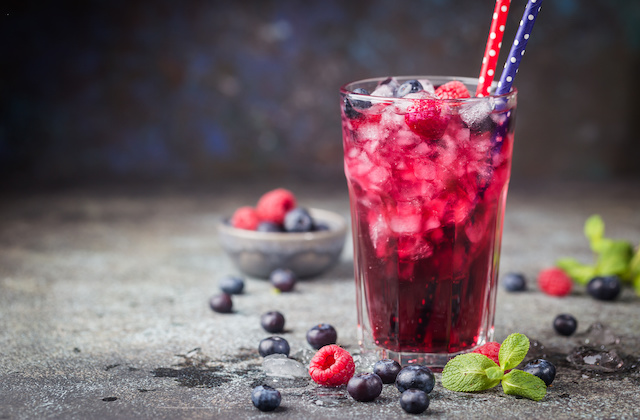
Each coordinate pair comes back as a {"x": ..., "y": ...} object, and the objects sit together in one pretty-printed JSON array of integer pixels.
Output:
[{"x": 472, "y": 81}]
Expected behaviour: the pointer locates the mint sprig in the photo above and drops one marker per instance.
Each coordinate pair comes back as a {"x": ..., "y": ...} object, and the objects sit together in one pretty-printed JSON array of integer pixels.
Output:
[
  {"x": 612, "y": 257},
  {"x": 476, "y": 372}
]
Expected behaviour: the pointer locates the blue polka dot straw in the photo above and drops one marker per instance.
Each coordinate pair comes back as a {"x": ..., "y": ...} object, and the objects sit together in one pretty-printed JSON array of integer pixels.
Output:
[{"x": 519, "y": 44}]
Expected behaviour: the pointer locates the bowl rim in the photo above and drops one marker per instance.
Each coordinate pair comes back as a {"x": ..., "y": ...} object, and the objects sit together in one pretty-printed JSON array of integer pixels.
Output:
[{"x": 335, "y": 219}]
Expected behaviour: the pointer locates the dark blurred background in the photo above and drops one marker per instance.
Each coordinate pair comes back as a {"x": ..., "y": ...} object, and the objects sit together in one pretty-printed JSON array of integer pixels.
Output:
[{"x": 207, "y": 91}]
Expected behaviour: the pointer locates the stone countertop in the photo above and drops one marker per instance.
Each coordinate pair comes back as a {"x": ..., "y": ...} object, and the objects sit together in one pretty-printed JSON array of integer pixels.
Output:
[{"x": 104, "y": 309}]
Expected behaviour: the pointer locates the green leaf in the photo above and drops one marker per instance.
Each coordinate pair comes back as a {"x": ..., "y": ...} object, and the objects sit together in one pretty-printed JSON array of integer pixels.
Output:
[
  {"x": 636, "y": 284},
  {"x": 467, "y": 372},
  {"x": 580, "y": 273},
  {"x": 513, "y": 350},
  {"x": 614, "y": 258},
  {"x": 524, "y": 384},
  {"x": 494, "y": 372},
  {"x": 594, "y": 230}
]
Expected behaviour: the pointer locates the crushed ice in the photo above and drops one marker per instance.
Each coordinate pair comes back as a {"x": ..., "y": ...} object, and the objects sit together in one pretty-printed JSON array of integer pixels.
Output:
[{"x": 281, "y": 366}]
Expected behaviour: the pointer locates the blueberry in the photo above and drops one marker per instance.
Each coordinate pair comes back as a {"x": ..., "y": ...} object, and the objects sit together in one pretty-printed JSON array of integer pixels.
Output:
[
  {"x": 221, "y": 303},
  {"x": 604, "y": 288},
  {"x": 273, "y": 345},
  {"x": 272, "y": 321},
  {"x": 416, "y": 377},
  {"x": 283, "y": 279},
  {"x": 364, "y": 386},
  {"x": 269, "y": 227},
  {"x": 543, "y": 369},
  {"x": 414, "y": 401},
  {"x": 514, "y": 282},
  {"x": 359, "y": 103},
  {"x": 565, "y": 324},
  {"x": 387, "y": 370},
  {"x": 320, "y": 226},
  {"x": 349, "y": 111},
  {"x": 231, "y": 285},
  {"x": 265, "y": 398},
  {"x": 298, "y": 220},
  {"x": 321, "y": 335},
  {"x": 410, "y": 86}
]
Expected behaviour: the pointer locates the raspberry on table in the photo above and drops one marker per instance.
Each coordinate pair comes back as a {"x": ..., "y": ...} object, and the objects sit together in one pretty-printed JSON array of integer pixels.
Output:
[
  {"x": 273, "y": 205},
  {"x": 453, "y": 90},
  {"x": 245, "y": 218},
  {"x": 332, "y": 366},
  {"x": 491, "y": 350},
  {"x": 555, "y": 282}
]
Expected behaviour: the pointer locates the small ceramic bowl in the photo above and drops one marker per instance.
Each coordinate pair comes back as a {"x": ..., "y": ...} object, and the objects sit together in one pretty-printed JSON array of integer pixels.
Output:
[{"x": 307, "y": 254}]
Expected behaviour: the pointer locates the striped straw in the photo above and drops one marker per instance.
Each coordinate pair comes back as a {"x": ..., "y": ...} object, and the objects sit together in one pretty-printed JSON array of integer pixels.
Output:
[
  {"x": 519, "y": 44},
  {"x": 492, "y": 50}
]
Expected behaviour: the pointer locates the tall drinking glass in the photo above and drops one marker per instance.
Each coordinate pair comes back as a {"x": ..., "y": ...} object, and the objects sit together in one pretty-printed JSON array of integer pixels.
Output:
[{"x": 427, "y": 182}]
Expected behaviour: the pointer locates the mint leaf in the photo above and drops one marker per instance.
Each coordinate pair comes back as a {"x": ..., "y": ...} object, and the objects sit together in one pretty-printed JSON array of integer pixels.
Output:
[
  {"x": 594, "y": 230},
  {"x": 467, "y": 372},
  {"x": 524, "y": 384},
  {"x": 494, "y": 372},
  {"x": 614, "y": 257},
  {"x": 513, "y": 350},
  {"x": 580, "y": 273}
]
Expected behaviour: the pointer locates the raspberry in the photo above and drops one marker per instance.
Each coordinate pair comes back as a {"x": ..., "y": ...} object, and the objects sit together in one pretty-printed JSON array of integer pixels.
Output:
[
  {"x": 555, "y": 282},
  {"x": 491, "y": 350},
  {"x": 424, "y": 117},
  {"x": 332, "y": 366},
  {"x": 452, "y": 90},
  {"x": 273, "y": 205},
  {"x": 245, "y": 218}
]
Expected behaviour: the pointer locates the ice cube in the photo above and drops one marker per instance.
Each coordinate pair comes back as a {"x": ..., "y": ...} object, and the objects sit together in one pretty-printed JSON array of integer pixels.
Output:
[
  {"x": 282, "y": 366},
  {"x": 476, "y": 114},
  {"x": 600, "y": 335},
  {"x": 593, "y": 359},
  {"x": 427, "y": 86},
  {"x": 385, "y": 91}
]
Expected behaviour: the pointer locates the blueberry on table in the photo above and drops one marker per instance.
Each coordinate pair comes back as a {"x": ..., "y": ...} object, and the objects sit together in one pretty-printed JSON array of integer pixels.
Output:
[
  {"x": 414, "y": 401},
  {"x": 364, "y": 387},
  {"x": 272, "y": 321},
  {"x": 543, "y": 369},
  {"x": 410, "y": 86},
  {"x": 283, "y": 279},
  {"x": 387, "y": 370},
  {"x": 415, "y": 377},
  {"x": 231, "y": 285},
  {"x": 265, "y": 398},
  {"x": 273, "y": 345},
  {"x": 221, "y": 303},
  {"x": 565, "y": 324},
  {"x": 604, "y": 288},
  {"x": 322, "y": 335},
  {"x": 298, "y": 220},
  {"x": 514, "y": 282}
]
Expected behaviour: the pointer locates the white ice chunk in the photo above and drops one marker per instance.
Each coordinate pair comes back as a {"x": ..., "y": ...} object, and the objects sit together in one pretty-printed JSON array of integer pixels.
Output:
[
  {"x": 284, "y": 367},
  {"x": 427, "y": 86},
  {"x": 384, "y": 91},
  {"x": 475, "y": 113}
]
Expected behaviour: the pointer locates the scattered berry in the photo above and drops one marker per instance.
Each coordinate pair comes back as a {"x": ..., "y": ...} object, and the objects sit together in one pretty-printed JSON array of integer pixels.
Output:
[
  {"x": 321, "y": 335},
  {"x": 453, "y": 90},
  {"x": 514, "y": 282},
  {"x": 364, "y": 387},
  {"x": 414, "y": 401},
  {"x": 565, "y": 324},
  {"x": 272, "y": 321},
  {"x": 231, "y": 285},
  {"x": 273, "y": 205},
  {"x": 387, "y": 370},
  {"x": 491, "y": 350},
  {"x": 424, "y": 117},
  {"x": 410, "y": 86},
  {"x": 269, "y": 227},
  {"x": 554, "y": 282},
  {"x": 416, "y": 377},
  {"x": 604, "y": 288},
  {"x": 332, "y": 366},
  {"x": 273, "y": 345},
  {"x": 283, "y": 279},
  {"x": 543, "y": 369},
  {"x": 245, "y": 218},
  {"x": 265, "y": 398},
  {"x": 221, "y": 303},
  {"x": 298, "y": 220}
]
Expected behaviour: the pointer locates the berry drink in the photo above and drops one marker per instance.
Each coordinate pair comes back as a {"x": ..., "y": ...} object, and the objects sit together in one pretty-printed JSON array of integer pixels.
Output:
[{"x": 427, "y": 169}]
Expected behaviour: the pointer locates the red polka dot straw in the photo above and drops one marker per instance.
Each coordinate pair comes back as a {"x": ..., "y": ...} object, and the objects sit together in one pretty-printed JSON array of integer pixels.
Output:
[{"x": 494, "y": 43}]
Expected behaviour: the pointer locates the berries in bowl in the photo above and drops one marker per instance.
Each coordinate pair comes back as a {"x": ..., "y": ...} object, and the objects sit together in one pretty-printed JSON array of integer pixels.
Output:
[{"x": 278, "y": 233}]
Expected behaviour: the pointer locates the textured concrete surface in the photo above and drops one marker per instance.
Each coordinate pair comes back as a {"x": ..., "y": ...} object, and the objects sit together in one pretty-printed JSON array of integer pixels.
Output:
[{"x": 104, "y": 313}]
